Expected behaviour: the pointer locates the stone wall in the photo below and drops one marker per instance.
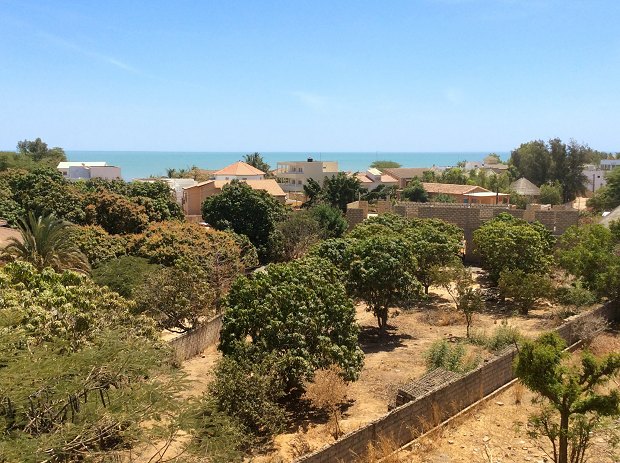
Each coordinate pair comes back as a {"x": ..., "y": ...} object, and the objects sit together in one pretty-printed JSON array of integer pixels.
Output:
[
  {"x": 406, "y": 422},
  {"x": 193, "y": 342}
]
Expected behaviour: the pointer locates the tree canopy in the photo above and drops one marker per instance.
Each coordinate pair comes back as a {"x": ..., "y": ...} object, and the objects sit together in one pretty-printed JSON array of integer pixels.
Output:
[
  {"x": 414, "y": 191},
  {"x": 296, "y": 314},
  {"x": 509, "y": 243},
  {"x": 337, "y": 191},
  {"x": 257, "y": 161},
  {"x": 253, "y": 213},
  {"x": 384, "y": 164}
]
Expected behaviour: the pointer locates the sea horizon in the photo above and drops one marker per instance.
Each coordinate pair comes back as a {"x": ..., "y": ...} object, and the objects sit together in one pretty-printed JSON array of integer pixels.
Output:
[{"x": 142, "y": 164}]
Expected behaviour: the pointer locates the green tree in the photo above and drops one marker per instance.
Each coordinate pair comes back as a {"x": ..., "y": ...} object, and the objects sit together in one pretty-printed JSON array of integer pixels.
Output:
[
  {"x": 455, "y": 175},
  {"x": 97, "y": 244},
  {"x": 444, "y": 198},
  {"x": 45, "y": 241},
  {"x": 177, "y": 298},
  {"x": 492, "y": 158},
  {"x": 330, "y": 219},
  {"x": 312, "y": 190},
  {"x": 551, "y": 193},
  {"x": 574, "y": 402},
  {"x": 458, "y": 282},
  {"x": 296, "y": 234},
  {"x": 340, "y": 190},
  {"x": 384, "y": 164},
  {"x": 414, "y": 191},
  {"x": 382, "y": 274},
  {"x": 116, "y": 214},
  {"x": 123, "y": 274},
  {"x": 524, "y": 289},
  {"x": 38, "y": 152},
  {"x": 607, "y": 197},
  {"x": 257, "y": 161},
  {"x": 297, "y": 316},
  {"x": 533, "y": 161},
  {"x": 380, "y": 192},
  {"x": 509, "y": 243},
  {"x": 253, "y": 213},
  {"x": 589, "y": 252}
]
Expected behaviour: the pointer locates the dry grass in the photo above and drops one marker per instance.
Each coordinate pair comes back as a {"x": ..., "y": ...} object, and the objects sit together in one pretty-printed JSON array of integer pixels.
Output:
[
  {"x": 384, "y": 450},
  {"x": 444, "y": 316},
  {"x": 517, "y": 392}
]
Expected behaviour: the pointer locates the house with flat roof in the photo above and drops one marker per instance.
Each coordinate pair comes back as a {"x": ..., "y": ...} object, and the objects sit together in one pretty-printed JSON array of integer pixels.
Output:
[
  {"x": 465, "y": 194},
  {"x": 194, "y": 196},
  {"x": 293, "y": 175},
  {"x": 88, "y": 170}
]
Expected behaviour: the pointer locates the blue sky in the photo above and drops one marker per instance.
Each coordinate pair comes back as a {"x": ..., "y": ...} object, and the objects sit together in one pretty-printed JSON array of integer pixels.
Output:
[{"x": 418, "y": 75}]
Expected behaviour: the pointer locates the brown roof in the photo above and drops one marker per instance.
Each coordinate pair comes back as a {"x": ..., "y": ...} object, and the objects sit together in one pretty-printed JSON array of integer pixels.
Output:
[
  {"x": 239, "y": 168},
  {"x": 407, "y": 172},
  {"x": 269, "y": 185},
  {"x": 450, "y": 188}
]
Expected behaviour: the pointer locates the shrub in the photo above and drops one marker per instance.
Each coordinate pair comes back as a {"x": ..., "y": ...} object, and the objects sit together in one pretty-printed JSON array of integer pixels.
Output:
[
  {"x": 524, "y": 289},
  {"x": 97, "y": 244},
  {"x": 503, "y": 336},
  {"x": 449, "y": 356},
  {"x": 575, "y": 295},
  {"x": 123, "y": 274}
]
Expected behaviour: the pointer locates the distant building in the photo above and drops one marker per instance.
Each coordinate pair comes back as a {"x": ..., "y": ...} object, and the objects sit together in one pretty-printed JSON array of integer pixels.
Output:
[
  {"x": 465, "y": 194},
  {"x": 239, "y": 171},
  {"x": 595, "y": 176},
  {"x": 405, "y": 174},
  {"x": 609, "y": 164},
  {"x": 176, "y": 185},
  {"x": 526, "y": 188},
  {"x": 194, "y": 196},
  {"x": 496, "y": 168},
  {"x": 293, "y": 175},
  {"x": 88, "y": 170},
  {"x": 372, "y": 178}
]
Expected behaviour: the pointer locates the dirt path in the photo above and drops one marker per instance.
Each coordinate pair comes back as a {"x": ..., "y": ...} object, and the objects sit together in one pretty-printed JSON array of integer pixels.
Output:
[{"x": 5, "y": 234}]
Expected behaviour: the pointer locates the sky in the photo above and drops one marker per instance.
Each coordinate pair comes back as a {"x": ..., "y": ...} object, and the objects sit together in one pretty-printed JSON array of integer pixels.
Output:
[{"x": 336, "y": 75}]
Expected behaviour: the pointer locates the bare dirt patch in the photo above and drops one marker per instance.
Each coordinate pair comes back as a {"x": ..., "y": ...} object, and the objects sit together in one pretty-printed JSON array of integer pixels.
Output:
[
  {"x": 5, "y": 234},
  {"x": 398, "y": 358}
]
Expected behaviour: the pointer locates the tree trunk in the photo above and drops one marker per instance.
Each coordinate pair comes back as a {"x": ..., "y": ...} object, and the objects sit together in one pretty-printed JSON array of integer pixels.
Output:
[
  {"x": 563, "y": 451},
  {"x": 382, "y": 316},
  {"x": 426, "y": 286}
]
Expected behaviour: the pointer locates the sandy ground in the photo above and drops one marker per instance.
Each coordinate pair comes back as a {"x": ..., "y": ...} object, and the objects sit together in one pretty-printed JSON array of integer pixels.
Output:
[
  {"x": 497, "y": 432},
  {"x": 5, "y": 234}
]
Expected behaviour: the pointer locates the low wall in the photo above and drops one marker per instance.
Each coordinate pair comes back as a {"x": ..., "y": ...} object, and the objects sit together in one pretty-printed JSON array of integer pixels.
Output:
[
  {"x": 405, "y": 423},
  {"x": 192, "y": 343}
]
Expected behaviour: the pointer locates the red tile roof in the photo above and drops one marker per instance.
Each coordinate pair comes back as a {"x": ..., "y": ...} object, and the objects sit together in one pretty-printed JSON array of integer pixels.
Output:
[{"x": 239, "y": 169}]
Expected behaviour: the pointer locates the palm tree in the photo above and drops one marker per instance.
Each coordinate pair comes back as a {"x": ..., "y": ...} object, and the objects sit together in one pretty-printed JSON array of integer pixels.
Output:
[{"x": 46, "y": 242}]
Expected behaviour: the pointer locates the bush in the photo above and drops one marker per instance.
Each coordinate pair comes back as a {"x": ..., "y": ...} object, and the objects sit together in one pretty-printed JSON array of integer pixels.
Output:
[
  {"x": 503, "y": 336},
  {"x": 449, "y": 356},
  {"x": 524, "y": 289},
  {"x": 249, "y": 391},
  {"x": 123, "y": 274},
  {"x": 97, "y": 244},
  {"x": 575, "y": 295}
]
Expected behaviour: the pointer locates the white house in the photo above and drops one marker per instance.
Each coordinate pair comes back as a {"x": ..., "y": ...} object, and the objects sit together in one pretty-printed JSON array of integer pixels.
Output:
[
  {"x": 88, "y": 170},
  {"x": 293, "y": 175}
]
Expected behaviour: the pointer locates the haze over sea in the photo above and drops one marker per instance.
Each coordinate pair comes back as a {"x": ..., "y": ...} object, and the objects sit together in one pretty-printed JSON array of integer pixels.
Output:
[{"x": 139, "y": 164}]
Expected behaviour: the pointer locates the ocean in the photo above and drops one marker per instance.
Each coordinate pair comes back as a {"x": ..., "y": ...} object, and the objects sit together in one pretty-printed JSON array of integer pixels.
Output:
[{"x": 139, "y": 164}]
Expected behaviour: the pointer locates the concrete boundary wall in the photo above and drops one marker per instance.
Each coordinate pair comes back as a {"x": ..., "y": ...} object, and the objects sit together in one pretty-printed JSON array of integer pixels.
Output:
[
  {"x": 405, "y": 423},
  {"x": 193, "y": 342}
]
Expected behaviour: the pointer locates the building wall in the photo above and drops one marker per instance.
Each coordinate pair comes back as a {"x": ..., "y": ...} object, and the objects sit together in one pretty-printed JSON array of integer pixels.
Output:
[
  {"x": 293, "y": 175},
  {"x": 84, "y": 172},
  {"x": 193, "y": 198},
  {"x": 596, "y": 179}
]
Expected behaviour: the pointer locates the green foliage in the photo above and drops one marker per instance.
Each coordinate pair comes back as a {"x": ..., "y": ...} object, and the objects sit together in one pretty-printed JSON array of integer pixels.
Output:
[
  {"x": 586, "y": 252},
  {"x": 503, "y": 336},
  {"x": 415, "y": 191},
  {"x": 330, "y": 219},
  {"x": 296, "y": 234},
  {"x": 381, "y": 273},
  {"x": 449, "y": 356},
  {"x": 249, "y": 391},
  {"x": 571, "y": 392},
  {"x": 521, "y": 201},
  {"x": 607, "y": 197},
  {"x": 97, "y": 244},
  {"x": 257, "y": 161},
  {"x": 554, "y": 161},
  {"x": 551, "y": 193},
  {"x": 116, "y": 214},
  {"x": 38, "y": 152},
  {"x": 509, "y": 243},
  {"x": 176, "y": 297},
  {"x": 524, "y": 289},
  {"x": 380, "y": 192},
  {"x": 222, "y": 255},
  {"x": 455, "y": 175},
  {"x": 333, "y": 250},
  {"x": 384, "y": 164},
  {"x": 299, "y": 311},
  {"x": 45, "y": 241},
  {"x": 340, "y": 190},
  {"x": 575, "y": 295},
  {"x": 253, "y": 213},
  {"x": 444, "y": 198},
  {"x": 123, "y": 274},
  {"x": 457, "y": 280}
]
